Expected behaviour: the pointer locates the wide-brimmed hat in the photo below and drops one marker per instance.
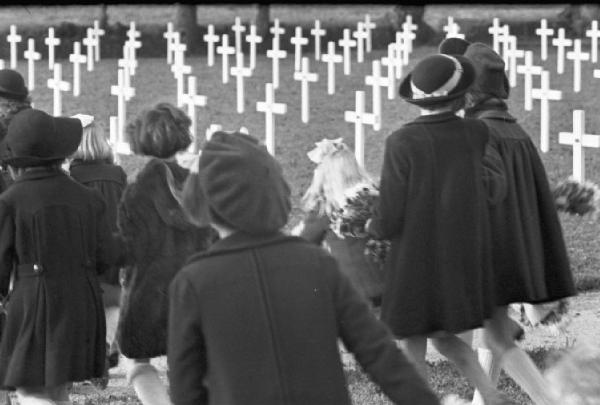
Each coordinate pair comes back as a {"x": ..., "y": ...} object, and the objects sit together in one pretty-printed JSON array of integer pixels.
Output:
[
  {"x": 35, "y": 138},
  {"x": 437, "y": 78},
  {"x": 491, "y": 78},
  {"x": 453, "y": 46},
  {"x": 12, "y": 85},
  {"x": 239, "y": 184}
]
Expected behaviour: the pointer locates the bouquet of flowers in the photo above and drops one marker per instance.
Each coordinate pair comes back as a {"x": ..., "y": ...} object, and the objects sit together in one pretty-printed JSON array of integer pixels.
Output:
[
  {"x": 350, "y": 220},
  {"x": 577, "y": 198}
]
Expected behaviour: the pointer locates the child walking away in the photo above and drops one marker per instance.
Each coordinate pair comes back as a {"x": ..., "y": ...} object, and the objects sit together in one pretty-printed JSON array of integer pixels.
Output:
[
  {"x": 54, "y": 240},
  {"x": 435, "y": 185},
  {"x": 256, "y": 318},
  {"x": 93, "y": 165},
  {"x": 336, "y": 179}
]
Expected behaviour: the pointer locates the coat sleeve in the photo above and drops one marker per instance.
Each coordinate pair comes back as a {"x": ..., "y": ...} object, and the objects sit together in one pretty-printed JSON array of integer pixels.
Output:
[
  {"x": 314, "y": 228},
  {"x": 186, "y": 351},
  {"x": 7, "y": 248},
  {"x": 373, "y": 345},
  {"x": 494, "y": 174}
]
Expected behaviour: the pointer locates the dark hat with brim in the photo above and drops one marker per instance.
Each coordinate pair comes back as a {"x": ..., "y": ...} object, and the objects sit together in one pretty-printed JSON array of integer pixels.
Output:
[
  {"x": 437, "y": 78},
  {"x": 237, "y": 184},
  {"x": 35, "y": 138},
  {"x": 12, "y": 85},
  {"x": 491, "y": 77}
]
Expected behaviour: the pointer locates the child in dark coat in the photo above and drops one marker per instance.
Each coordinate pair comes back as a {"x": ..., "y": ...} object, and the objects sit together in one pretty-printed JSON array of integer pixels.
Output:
[
  {"x": 54, "y": 240},
  {"x": 256, "y": 318}
]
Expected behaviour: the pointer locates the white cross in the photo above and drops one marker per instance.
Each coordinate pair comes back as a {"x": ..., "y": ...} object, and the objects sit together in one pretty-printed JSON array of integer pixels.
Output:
[
  {"x": 512, "y": 53},
  {"x": 13, "y": 39},
  {"x": 377, "y": 82},
  {"x": 276, "y": 30},
  {"x": 97, "y": 32},
  {"x": 51, "y": 41},
  {"x": 317, "y": 32},
  {"x": 544, "y": 32},
  {"x": 132, "y": 35},
  {"x": 453, "y": 29},
  {"x": 346, "y": 43},
  {"x": 238, "y": 28},
  {"x": 597, "y": 73},
  {"x": 361, "y": 35},
  {"x": 368, "y": 26},
  {"x": 577, "y": 56},
  {"x": 169, "y": 35},
  {"x": 113, "y": 123},
  {"x": 275, "y": 54},
  {"x": 193, "y": 100},
  {"x": 90, "y": 42},
  {"x": 212, "y": 128},
  {"x": 400, "y": 54},
  {"x": 31, "y": 55},
  {"x": 123, "y": 93},
  {"x": 409, "y": 27},
  {"x": 403, "y": 39},
  {"x": 239, "y": 71},
  {"x": 528, "y": 70},
  {"x": 580, "y": 140},
  {"x": 253, "y": 39},
  {"x": 331, "y": 58},
  {"x": 57, "y": 84},
  {"x": 495, "y": 30},
  {"x": 128, "y": 64},
  {"x": 505, "y": 41},
  {"x": 180, "y": 69},
  {"x": 225, "y": 50},
  {"x": 298, "y": 40},
  {"x": 305, "y": 76},
  {"x": 270, "y": 107},
  {"x": 76, "y": 58},
  {"x": 359, "y": 117},
  {"x": 594, "y": 34},
  {"x": 390, "y": 63},
  {"x": 561, "y": 42},
  {"x": 544, "y": 94},
  {"x": 211, "y": 39}
]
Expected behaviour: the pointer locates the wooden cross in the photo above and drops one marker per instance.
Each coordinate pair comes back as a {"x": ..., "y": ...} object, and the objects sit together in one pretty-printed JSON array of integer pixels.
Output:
[
  {"x": 594, "y": 34},
  {"x": 97, "y": 32},
  {"x": 409, "y": 27},
  {"x": 90, "y": 42},
  {"x": 577, "y": 56},
  {"x": 390, "y": 63},
  {"x": 113, "y": 123},
  {"x": 239, "y": 71},
  {"x": 361, "y": 35},
  {"x": 317, "y": 32},
  {"x": 331, "y": 58},
  {"x": 597, "y": 73},
  {"x": 253, "y": 39},
  {"x": 132, "y": 35},
  {"x": 31, "y": 55},
  {"x": 298, "y": 40},
  {"x": 528, "y": 70},
  {"x": 13, "y": 39},
  {"x": 211, "y": 39},
  {"x": 545, "y": 94},
  {"x": 128, "y": 64},
  {"x": 346, "y": 43},
  {"x": 400, "y": 54},
  {"x": 276, "y": 30},
  {"x": 359, "y": 117},
  {"x": 51, "y": 41},
  {"x": 225, "y": 50},
  {"x": 544, "y": 32},
  {"x": 169, "y": 35},
  {"x": 270, "y": 107},
  {"x": 377, "y": 82},
  {"x": 580, "y": 140},
  {"x": 238, "y": 28},
  {"x": 123, "y": 93},
  {"x": 275, "y": 54},
  {"x": 561, "y": 42},
  {"x": 505, "y": 41},
  {"x": 180, "y": 69},
  {"x": 193, "y": 100},
  {"x": 368, "y": 26},
  {"x": 305, "y": 76},
  {"x": 212, "y": 128},
  {"x": 495, "y": 30},
  {"x": 57, "y": 84},
  {"x": 76, "y": 58},
  {"x": 512, "y": 53},
  {"x": 453, "y": 29}
]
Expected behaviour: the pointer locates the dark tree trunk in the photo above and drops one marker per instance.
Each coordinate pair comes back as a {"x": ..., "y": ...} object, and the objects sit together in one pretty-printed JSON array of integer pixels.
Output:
[
  {"x": 186, "y": 24},
  {"x": 103, "y": 20},
  {"x": 263, "y": 22}
]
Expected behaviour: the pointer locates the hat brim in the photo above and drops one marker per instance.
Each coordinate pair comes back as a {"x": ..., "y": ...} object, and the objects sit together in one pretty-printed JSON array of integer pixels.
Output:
[
  {"x": 12, "y": 96},
  {"x": 466, "y": 80}
]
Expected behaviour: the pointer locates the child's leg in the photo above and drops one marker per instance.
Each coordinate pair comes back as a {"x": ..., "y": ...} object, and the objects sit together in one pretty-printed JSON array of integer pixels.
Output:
[
  {"x": 4, "y": 398},
  {"x": 517, "y": 364},
  {"x": 34, "y": 396},
  {"x": 415, "y": 348},
  {"x": 146, "y": 383}
]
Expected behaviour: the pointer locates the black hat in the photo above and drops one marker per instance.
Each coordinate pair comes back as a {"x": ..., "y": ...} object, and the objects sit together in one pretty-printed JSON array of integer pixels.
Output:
[
  {"x": 453, "y": 46},
  {"x": 35, "y": 138},
  {"x": 12, "y": 85},
  {"x": 437, "y": 78},
  {"x": 239, "y": 184},
  {"x": 491, "y": 78}
]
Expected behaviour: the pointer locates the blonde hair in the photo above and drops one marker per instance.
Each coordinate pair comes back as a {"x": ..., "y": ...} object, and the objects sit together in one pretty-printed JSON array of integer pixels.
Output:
[
  {"x": 94, "y": 145},
  {"x": 337, "y": 172}
]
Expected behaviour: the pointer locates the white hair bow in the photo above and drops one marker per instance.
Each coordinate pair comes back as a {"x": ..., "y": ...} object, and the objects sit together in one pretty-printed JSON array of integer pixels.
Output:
[{"x": 324, "y": 148}]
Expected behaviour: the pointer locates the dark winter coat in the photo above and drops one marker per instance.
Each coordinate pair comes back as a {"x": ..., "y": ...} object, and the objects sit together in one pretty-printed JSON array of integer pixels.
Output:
[
  {"x": 55, "y": 237},
  {"x": 433, "y": 208},
  {"x": 530, "y": 257},
  {"x": 158, "y": 239},
  {"x": 255, "y": 320},
  {"x": 110, "y": 180}
]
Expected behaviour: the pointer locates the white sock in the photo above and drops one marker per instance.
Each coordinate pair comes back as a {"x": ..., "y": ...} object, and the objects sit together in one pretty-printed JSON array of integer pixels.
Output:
[
  {"x": 491, "y": 367},
  {"x": 112, "y": 320},
  {"x": 147, "y": 385},
  {"x": 519, "y": 366}
]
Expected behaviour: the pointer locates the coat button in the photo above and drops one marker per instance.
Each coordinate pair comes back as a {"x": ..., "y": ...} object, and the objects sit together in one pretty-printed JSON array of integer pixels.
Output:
[{"x": 37, "y": 269}]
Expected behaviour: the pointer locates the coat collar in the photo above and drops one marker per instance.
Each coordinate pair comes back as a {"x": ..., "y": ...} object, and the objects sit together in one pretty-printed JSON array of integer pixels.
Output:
[
  {"x": 40, "y": 173},
  {"x": 435, "y": 118},
  {"x": 496, "y": 115}
]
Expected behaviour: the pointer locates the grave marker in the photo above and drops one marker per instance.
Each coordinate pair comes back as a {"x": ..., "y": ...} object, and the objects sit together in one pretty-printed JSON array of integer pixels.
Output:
[
  {"x": 225, "y": 50},
  {"x": 113, "y": 123},
  {"x": 298, "y": 40},
  {"x": 238, "y": 28},
  {"x": 512, "y": 53},
  {"x": 180, "y": 69},
  {"x": 545, "y": 94},
  {"x": 90, "y": 42},
  {"x": 211, "y": 130},
  {"x": 13, "y": 39},
  {"x": 579, "y": 140},
  {"x": 57, "y": 84},
  {"x": 317, "y": 33},
  {"x": 505, "y": 42},
  {"x": 169, "y": 35},
  {"x": 97, "y": 32},
  {"x": 400, "y": 54},
  {"x": 31, "y": 55},
  {"x": 305, "y": 77},
  {"x": 388, "y": 61},
  {"x": 239, "y": 71},
  {"x": 122, "y": 93},
  {"x": 127, "y": 63},
  {"x": 270, "y": 107},
  {"x": 211, "y": 39},
  {"x": 544, "y": 32},
  {"x": 577, "y": 56},
  {"x": 51, "y": 41},
  {"x": 77, "y": 59},
  {"x": 253, "y": 39},
  {"x": 561, "y": 43},
  {"x": 346, "y": 43},
  {"x": 368, "y": 25},
  {"x": 593, "y": 33},
  {"x": 409, "y": 28},
  {"x": 361, "y": 35},
  {"x": 192, "y": 99},
  {"x": 528, "y": 70},
  {"x": 275, "y": 54},
  {"x": 331, "y": 58},
  {"x": 276, "y": 30},
  {"x": 496, "y": 30},
  {"x": 359, "y": 117},
  {"x": 377, "y": 82}
]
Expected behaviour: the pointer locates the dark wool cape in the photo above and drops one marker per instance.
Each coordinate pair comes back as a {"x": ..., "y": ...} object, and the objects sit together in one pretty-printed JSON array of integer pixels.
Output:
[
  {"x": 158, "y": 240},
  {"x": 55, "y": 237},
  {"x": 530, "y": 257}
]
